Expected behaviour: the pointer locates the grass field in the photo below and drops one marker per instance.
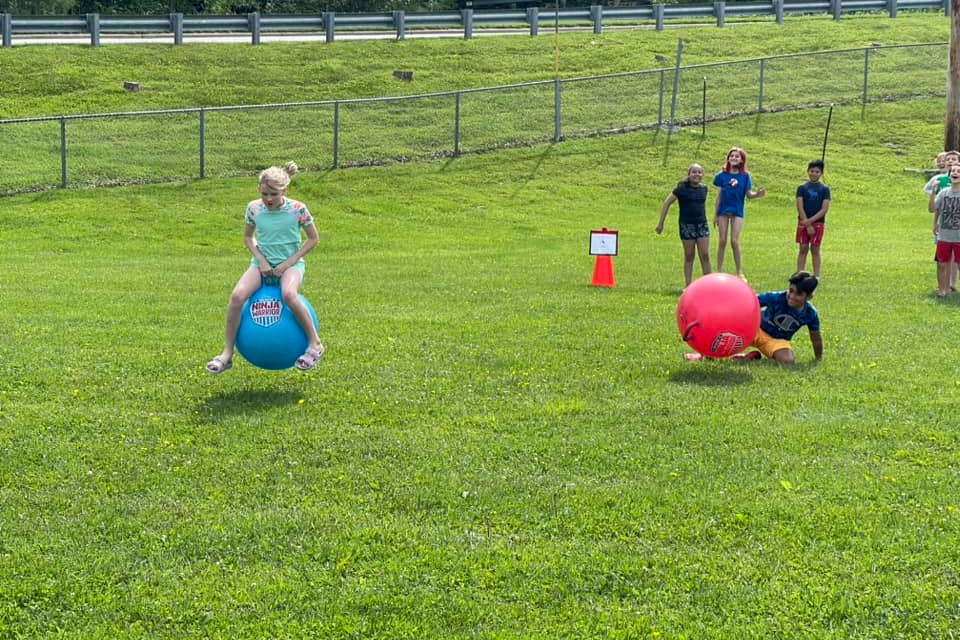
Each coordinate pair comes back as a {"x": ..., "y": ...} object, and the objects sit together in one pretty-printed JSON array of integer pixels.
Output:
[{"x": 492, "y": 448}]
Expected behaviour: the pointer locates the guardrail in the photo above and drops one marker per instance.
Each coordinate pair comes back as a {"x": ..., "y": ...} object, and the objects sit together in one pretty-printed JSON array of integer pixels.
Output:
[{"x": 178, "y": 25}]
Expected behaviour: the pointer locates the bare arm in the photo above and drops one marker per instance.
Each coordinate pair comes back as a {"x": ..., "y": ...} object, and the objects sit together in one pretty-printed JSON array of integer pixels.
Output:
[
  {"x": 801, "y": 214},
  {"x": 312, "y": 239},
  {"x": 251, "y": 242},
  {"x": 817, "y": 342},
  {"x": 663, "y": 211}
]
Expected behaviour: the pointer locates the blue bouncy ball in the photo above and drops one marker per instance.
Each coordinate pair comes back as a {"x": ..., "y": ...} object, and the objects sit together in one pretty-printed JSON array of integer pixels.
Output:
[{"x": 270, "y": 336}]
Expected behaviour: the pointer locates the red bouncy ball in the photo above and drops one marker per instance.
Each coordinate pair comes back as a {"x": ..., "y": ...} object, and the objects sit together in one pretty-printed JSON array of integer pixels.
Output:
[{"x": 718, "y": 315}]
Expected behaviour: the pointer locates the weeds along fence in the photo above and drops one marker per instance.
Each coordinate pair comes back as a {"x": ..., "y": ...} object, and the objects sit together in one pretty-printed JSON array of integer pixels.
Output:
[{"x": 218, "y": 142}]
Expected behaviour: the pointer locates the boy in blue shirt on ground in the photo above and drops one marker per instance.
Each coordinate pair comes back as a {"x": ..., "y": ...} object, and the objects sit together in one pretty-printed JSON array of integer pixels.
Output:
[{"x": 782, "y": 314}]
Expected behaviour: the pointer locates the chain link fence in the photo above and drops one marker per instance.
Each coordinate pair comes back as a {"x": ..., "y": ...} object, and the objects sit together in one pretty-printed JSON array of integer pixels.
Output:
[{"x": 183, "y": 144}]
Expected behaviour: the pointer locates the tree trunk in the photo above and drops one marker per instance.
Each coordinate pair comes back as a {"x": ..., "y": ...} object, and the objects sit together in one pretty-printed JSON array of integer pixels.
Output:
[{"x": 952, "y": 137}]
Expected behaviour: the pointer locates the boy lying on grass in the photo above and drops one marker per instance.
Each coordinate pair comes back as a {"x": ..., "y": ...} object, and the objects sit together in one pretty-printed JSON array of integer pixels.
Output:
[{"x": 782, "y": 314}]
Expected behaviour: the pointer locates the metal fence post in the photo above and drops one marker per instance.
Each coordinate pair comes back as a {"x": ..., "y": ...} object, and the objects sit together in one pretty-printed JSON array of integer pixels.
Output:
[
  {"x": 7, "y": 27},
  {"x": 663, "y": 82},
  {"x": 866, "y": 72},
  {"x": 533, "y": 17},
  {"x": 596, "y": 14},
  {"x": 176, "y": 25},
  {"x": 763, "y": 65},
  {"x": 676, "y": 86},
  {"x": 658, "y": 15},
  {"x": 203, "y": 143},
  {"x": 400, "y": 22},
  {"x": 336, "y": 135},
  {"x": 93, "y": 26},
  {"x": 253, "y": 23},
  {"x": 778, "y": 10},
  {"x": 556, "y": 109},
  {"x": 892, "y": 8},
  {"x": 720, "y": 9},
  {"x": 703, "y": 120},
  {"x": 456, "y": 126},
  {"x": 467, "y": 16},
  {"x": 329, "y": 18},
  {"x": 835, "y": 9},
  {"x": 63, "y": 152}
]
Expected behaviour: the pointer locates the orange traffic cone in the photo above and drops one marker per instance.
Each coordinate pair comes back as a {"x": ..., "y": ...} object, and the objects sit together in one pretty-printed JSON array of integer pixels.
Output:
[{"x": 603, "y": 272}]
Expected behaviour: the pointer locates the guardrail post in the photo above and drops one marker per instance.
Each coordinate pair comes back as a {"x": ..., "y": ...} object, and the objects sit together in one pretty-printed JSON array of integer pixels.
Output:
[
  {"x": 892, "y": 8},
  {"x": 596, "y": 14},
  {"x": 203, "y": 142},
  {"x": 658, "y": 15},
  {"x": 835, "y": 8},
  {"x": 400, "y": 22},
  {"x": 778, "y": 10},
  {"x": 466, "y": 15},
  {"x": 329, "y": 20},
  {"x": 533, "y": 17},
  {"x": 946, "y": 8},
  {"x": 93, "y": 26},
  {"x": 7, "y": 27},
  {"x": 176, "y": 25},
  {"x": 720, "y": 9},
  {"x": 253, "y": 23}
]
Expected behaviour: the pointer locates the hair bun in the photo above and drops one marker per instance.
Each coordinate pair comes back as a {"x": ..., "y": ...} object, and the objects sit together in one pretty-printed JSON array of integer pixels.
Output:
[{"x": 291, "y": 168}]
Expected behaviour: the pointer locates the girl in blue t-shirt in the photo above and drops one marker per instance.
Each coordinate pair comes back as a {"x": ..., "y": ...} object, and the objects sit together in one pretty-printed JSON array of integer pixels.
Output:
[
  {"x": 735, "y": 186},
  {"x": 271, "y": 233}
]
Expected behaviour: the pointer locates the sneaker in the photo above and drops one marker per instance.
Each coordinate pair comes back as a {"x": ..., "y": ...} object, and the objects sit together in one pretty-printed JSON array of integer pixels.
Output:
[{"x": 693, "y": 357}]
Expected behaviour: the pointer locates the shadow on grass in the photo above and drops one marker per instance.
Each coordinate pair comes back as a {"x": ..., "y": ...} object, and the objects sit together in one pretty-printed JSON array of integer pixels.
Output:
[
  {"x": 712, "y": 376},
  {"x": 666, "y": 132},
  {"x": 227, "y": 403},
  {"x": 673, "y": 291},
  {"x": 951, "y": 300}
]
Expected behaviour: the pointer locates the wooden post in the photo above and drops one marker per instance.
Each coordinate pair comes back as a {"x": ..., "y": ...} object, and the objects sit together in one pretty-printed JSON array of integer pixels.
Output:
[{"x": 952, "y": 129}]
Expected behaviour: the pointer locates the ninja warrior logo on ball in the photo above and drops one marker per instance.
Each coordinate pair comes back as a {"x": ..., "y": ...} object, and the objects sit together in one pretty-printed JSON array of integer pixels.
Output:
[
  {"x": 726, "y": 344},
  {"x": 266, "y": 312}
]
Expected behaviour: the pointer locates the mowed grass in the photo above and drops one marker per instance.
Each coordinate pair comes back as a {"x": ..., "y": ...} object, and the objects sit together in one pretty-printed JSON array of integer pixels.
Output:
[{"x": 492, "y": 448}]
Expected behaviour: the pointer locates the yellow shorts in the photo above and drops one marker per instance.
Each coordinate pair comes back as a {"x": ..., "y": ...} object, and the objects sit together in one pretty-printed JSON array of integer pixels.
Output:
[{"x": 768, "y": 345}]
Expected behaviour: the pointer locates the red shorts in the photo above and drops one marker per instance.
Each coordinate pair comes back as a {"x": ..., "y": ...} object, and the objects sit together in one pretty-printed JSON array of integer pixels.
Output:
[
  {"x": 947, "y": 250},
  {"x": 805, "y": 238}
]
